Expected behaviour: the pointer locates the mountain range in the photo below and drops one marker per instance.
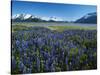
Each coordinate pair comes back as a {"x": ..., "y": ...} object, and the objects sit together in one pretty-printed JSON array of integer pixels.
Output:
[
  {"x": 88, "y": 18},
  {"x": 33, "y": 18}
]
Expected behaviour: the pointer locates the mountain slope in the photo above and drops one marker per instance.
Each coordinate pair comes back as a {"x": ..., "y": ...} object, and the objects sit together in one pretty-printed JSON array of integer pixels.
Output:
[{"x": 90, "y": 18}]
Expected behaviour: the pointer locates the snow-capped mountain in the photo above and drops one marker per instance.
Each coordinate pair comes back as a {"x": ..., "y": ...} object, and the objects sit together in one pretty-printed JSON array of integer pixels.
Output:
[
  {"x": 23, "y": 16},
  {"x": 89, "y": 15},
  {"x": 88, "y": 18},
  {"x": 15, "y": 16},
  {"x": 29, "y": 17}
]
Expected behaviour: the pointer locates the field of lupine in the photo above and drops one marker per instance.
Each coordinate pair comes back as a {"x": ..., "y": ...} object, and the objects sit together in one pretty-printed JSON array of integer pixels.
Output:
[{"x": 39, "y": 49}]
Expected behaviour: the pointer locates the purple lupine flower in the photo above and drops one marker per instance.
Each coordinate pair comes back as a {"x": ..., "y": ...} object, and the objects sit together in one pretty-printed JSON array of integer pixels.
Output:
[
  {"x": 66, "y": 61},
  {"x": 38, "y": 64}
]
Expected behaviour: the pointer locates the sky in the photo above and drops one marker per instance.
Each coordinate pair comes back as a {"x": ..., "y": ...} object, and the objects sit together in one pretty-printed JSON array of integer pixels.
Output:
[{"x": 67, "y": 12}]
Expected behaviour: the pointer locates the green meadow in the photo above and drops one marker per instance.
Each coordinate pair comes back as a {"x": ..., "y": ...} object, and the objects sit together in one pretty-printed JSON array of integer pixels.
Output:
[{"x": 59, "y": 27}]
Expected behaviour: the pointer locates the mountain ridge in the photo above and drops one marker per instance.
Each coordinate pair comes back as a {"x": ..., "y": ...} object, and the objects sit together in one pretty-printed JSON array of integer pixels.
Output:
[{"x": 90, "y": 18}]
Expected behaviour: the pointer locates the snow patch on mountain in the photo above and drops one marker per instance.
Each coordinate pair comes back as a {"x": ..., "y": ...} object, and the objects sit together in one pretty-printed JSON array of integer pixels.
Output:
[
  {"x": 89, "y": 15},
  {"x": 15, "y": 16},
  {"x": 26, "y": 16}
]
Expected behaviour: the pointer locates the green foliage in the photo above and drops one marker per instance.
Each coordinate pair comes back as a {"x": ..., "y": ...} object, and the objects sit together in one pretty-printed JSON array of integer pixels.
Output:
[
  {"x": 62, "y": 28},
  {"x": 20, "y": 27}
]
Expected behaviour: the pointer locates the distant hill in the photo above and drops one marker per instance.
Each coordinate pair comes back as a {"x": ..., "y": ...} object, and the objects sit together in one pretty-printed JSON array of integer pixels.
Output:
[{"x": 90, "y": 18}]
